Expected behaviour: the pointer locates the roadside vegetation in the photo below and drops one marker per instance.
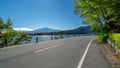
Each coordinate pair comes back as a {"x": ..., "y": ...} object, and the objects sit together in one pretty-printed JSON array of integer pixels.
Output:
[
  {"x": 103, "y": 16},
  {"x": 115, "y": 37},
  {"x": 8, "y": 36}
]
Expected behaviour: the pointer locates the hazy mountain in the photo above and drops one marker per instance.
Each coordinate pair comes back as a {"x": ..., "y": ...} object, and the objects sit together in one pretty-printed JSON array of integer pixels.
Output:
[
  {"x": 80, "y": 30},
  {"x": 44, "y": 30}
]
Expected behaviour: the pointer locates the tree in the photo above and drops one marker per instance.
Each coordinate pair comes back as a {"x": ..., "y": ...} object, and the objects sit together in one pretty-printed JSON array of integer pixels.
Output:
[
  {"x": 101, "y": 14},
  {"x": 8, "y": 36},
  {"x": 23, "y": 37}
]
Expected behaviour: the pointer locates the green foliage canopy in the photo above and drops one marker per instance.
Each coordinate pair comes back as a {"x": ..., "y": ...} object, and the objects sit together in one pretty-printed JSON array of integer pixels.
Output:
[{"x": 103, "y": 13}]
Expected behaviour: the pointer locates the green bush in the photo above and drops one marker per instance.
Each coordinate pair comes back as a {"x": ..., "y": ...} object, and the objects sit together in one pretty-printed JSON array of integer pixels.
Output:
[
  {"x": 115, "y": 37},
  {"x": 101, "y": 37}
]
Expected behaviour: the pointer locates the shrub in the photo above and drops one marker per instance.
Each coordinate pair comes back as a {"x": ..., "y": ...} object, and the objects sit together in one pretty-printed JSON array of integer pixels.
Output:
[
  {"x": 115, "y": 37},
  {"x": 102, "y": 37}
]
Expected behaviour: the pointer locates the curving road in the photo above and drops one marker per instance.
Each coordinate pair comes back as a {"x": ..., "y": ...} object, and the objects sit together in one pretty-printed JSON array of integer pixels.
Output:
[{"x": 77, "y": 52}]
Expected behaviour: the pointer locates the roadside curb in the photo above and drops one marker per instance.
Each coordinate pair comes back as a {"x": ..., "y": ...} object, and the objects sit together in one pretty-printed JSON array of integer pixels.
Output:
[
  {"x": 106, "y": 57},
  {"x": 109, "y": 57}
]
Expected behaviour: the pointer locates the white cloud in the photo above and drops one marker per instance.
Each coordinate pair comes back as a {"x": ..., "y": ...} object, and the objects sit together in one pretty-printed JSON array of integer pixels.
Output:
[{"x": 23, "y": 29}]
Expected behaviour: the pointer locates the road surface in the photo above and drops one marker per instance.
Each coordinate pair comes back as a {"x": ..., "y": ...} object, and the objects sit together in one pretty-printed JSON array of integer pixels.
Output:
[{"x": 77, "y": 52}]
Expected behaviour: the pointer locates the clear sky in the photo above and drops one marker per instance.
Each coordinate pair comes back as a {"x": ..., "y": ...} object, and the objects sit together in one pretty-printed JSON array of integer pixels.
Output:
[{"x": 34, "y": 14}]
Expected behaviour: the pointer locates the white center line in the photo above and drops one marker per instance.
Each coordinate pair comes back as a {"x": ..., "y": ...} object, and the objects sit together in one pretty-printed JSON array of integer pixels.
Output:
[
  {"x": 48, "y": 48},
  {"x": 84, "y": 55}
]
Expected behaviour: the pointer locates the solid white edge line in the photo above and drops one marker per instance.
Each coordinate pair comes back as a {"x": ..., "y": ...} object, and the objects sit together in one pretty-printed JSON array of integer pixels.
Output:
[
  {"x": 48, "y": 48},
  {"x": 84, "y": 55}
]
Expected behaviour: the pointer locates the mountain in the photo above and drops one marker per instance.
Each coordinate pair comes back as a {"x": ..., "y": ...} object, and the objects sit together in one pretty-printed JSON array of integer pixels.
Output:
[
  {"x": 80, "y": 30},
  {"x": 44, "y": 30}
]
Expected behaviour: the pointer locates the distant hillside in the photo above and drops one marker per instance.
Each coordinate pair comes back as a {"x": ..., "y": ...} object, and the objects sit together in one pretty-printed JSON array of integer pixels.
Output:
[
  {"x": 80, "y": 30},
  {"x": 48, "y": 31},
  {"x": 44, "y": 30}
]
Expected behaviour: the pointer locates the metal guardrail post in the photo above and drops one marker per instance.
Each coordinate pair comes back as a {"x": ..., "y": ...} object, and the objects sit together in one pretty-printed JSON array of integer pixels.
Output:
[
  {"x": 37, "y": 39},
  {"x": 61, "y": 36}
]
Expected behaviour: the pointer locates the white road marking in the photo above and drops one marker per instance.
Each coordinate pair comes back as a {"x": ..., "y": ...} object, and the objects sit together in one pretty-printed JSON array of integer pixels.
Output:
[
  {"x": 48, "y": 48},
  {"x": 84, "y": 55}
]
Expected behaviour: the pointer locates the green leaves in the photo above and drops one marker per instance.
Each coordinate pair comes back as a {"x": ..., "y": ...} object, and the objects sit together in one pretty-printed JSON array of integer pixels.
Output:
[
  {"x": 97, "y": 11},
  {"x": 103, "y": 15},
  {"x": 115, "y": 37},
  {"x": 8, "y": 36},
  {"x": 1, "y": 24}
]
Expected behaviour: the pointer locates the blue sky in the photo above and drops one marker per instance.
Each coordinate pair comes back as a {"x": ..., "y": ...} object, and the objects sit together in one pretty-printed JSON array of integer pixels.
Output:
[{"x": 34, "y": 14}]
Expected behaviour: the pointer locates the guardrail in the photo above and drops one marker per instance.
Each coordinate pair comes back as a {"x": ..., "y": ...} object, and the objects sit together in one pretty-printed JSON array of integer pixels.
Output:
[{"x": 54, "y": 37}]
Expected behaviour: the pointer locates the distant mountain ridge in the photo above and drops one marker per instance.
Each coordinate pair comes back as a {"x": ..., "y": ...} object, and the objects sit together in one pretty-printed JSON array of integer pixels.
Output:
[
  {"x": 80, "y": 30},
  {"x": 44, "y": 30}
]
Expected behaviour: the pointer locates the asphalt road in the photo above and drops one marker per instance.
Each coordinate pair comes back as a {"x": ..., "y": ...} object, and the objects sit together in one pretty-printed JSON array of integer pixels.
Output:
[{"x": 62, "y": 53}]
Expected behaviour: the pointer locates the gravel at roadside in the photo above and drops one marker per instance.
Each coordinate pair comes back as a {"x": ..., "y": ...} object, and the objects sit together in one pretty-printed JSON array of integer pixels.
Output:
[{"x": 112, "y": 58}]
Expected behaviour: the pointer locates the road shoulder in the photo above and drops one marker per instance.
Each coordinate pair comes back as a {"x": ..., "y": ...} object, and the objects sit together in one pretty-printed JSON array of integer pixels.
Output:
[
  {"x": 95, "y": 58},
  {"x": 112, "y": 58}
]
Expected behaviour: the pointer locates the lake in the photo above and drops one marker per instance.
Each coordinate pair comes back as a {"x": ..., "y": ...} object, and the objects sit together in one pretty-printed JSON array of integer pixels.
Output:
[{"x": 49, "y": 37}]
